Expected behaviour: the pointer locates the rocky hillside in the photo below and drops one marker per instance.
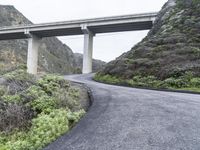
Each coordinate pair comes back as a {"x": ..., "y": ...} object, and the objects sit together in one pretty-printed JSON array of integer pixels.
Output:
[
  {"x": 170, "y": 49},
  {"x": 54, "y": 56}
]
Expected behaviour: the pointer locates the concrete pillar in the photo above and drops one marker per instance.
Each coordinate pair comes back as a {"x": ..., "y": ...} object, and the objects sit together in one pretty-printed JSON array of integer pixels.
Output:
[
  {"x": 88, "y": 50},
  {"x": 32, "y": 56}
]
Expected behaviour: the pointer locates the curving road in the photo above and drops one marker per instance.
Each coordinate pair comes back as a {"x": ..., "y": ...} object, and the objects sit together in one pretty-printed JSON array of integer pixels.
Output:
[{"x": 122, "y": 118}]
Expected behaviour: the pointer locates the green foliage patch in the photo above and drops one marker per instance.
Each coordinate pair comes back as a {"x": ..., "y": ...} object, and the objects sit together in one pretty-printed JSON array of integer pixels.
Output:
[
  {"x": 20, "y": 75},
  {"x": 45, "y": 129},
  {"x": 185, "y": 81},
  {"x": 43, "y": 110}
]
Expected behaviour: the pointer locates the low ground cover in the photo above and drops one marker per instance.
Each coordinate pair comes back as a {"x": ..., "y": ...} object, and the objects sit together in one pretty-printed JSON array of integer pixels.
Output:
[
  {"x": 181, "y": 82},
  {"x": 34, "y": 111}
]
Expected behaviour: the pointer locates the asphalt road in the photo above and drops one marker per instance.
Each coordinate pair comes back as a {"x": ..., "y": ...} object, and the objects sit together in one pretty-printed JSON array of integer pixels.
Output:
[{"x": 122, "y": 118}]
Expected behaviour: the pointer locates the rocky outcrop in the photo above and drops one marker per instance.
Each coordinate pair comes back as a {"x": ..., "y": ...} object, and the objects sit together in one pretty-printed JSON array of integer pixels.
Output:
[
  {"x": 54, "y": 56},
  {"x": 171, "y": 48}
]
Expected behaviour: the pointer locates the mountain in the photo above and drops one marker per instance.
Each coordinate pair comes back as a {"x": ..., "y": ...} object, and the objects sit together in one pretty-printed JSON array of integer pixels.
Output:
[
  {"x": 54, "y": 56},
  {"x": 171, "y": 48}
]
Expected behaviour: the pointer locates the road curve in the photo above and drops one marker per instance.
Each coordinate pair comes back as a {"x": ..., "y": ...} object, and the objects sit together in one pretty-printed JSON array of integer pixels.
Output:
[{"x": 122, "y": 118}]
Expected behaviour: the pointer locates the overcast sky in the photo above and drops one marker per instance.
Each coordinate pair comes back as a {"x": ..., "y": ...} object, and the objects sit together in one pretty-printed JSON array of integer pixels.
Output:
[{"x": 106, "y": 46}]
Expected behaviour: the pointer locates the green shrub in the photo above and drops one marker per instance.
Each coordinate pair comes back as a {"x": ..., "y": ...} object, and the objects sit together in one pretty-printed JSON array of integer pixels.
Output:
[
  {"x": 2, "y": 90},
  {"x": 148, "y": 81},
  {"x": 107, "y": 78},
  {"x": 45, "y": 129},
  {"x": 20, "y": 75},
  {"x": 43, "y": 104},
  {"x": 74, "y": 117},
  {"x": 50, "y": 83},
  {"x": 187, "y": 76},
  {"x": 177, "y": 81},
  {"x": 67, "y": 99},
  {"x": 12, "y": 98},
  {"x": 39, "y": 100},
  {"x": 51, "y": 100},
  {"x": 195, "y": 82},
  {"x": 35, "y": 92},
  {"x": 74, "y": 93},
  {"x": 53, "y": 92}
]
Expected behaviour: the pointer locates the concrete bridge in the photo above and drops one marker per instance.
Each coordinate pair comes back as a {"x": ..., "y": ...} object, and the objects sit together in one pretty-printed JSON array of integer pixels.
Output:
[{"x": 88, "y": 27}]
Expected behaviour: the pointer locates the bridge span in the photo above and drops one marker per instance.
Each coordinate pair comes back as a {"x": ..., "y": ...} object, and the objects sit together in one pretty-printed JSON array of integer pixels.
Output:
[{"x": 88, "y": 27}]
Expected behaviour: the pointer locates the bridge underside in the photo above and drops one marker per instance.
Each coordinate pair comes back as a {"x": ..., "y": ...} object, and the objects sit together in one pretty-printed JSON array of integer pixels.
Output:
[
  {"x": 146, "y": 25},
  {"x": 88, "y": 28}
]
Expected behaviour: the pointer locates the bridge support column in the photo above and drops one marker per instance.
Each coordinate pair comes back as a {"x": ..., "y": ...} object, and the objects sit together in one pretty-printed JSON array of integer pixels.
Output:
[
  {"x": 88, "y": 50},
  {"x": 32, "y": 56}
]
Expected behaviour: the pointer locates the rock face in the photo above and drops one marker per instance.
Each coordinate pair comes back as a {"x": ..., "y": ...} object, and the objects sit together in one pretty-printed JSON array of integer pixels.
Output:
[
  {"x": 54, "y": 56},
  {"x": 171, "y": 48}
]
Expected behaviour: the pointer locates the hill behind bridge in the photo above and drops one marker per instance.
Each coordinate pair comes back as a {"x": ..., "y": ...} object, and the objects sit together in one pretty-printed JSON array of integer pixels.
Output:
[
  {"x": 54, "y": 56},
  {"x": 169, "y": 56}
]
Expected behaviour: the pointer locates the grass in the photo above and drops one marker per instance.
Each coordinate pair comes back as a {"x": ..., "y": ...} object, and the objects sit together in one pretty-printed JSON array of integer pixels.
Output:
[
  {"x": 186, "y": 82},
  {"x": 36, "y": 111},
  {"x": 190, "y": 89}
]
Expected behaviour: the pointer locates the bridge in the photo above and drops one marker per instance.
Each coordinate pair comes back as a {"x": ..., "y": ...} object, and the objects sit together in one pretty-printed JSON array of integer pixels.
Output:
[{"x": 88, "y": 27}]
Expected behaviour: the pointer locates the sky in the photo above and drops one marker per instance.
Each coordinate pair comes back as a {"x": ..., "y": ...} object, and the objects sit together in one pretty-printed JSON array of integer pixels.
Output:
[{"x": 106, "y": 46}]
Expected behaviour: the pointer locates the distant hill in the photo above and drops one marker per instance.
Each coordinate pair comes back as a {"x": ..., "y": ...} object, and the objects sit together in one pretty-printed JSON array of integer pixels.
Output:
[
  {"x": 96, "y": 65},
  {"x": 54, "y": 56},
  {"x": 171, "y": 48}
]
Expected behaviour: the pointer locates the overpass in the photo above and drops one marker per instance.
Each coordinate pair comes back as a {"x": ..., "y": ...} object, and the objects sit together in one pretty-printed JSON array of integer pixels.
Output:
[{"x": 88, "y": 27}]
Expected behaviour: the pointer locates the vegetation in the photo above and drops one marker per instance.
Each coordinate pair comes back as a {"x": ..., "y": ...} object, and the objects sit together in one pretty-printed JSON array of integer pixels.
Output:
[
  {"x": 34, "y": 112},
  {"x": 183, "y": 82},
  {"x": 170, "y": 48}
]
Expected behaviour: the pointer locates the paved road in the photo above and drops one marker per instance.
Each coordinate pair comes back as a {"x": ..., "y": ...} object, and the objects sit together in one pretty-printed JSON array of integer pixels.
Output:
[{"x": 124, "y": 118}]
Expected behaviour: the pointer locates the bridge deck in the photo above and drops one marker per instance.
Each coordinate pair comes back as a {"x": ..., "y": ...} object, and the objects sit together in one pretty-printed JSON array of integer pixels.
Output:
[{"x": 97, "y": 25}]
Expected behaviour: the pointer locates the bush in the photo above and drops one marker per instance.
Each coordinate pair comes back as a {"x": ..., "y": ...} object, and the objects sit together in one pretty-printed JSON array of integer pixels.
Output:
[
  {"x": 2, "y": 91},
  {"x": 184, "y": 80},
  {"x": 174, "y": 83},
  {"x": 39, "y": 100},
  {"x": 68, "y": 99},
  {"x": 20, "y": 75},
  {"x": 18, "y": 80},
  {"x": 107, "y": 78},
  {"x": 51, "y": 100},
  {"x": 50, "y": 83},
  {"x": 149, "y": 81},
  {"x": 43, "y": 104},
  {"x": 45, "y": 129},
  {"x": 11, "y": 98},
  {"x": 195, "y": 82},
  {"x": 14, "y": 116},
  {"x": 52, "y": 92}
]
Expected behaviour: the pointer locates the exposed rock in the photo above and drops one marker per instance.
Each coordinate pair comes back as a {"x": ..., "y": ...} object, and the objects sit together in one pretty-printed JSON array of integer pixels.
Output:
[{"x": 171, "y": 48}]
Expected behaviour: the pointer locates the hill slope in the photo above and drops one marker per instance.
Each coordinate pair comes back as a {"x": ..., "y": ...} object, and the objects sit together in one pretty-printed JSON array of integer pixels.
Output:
[
  {"x": 54, "y": 56},
  {"x": 170, "y": 49}
]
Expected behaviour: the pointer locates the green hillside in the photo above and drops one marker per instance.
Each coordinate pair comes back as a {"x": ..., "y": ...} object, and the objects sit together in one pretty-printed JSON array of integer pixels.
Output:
[{"x": 168, "y": 57}]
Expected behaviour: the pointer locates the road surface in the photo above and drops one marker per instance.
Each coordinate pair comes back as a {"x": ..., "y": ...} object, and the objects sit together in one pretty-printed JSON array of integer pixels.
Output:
[{"x": 122, "y": 118}]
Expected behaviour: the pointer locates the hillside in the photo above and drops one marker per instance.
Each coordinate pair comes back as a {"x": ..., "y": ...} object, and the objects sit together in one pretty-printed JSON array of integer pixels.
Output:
[
  {"x": 171, "y": 49},
  {"x": 54, "y": 56}
]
